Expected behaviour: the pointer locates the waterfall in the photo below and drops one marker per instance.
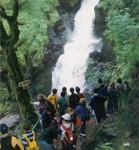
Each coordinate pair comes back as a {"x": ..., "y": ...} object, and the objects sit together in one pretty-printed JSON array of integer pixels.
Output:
[{"x": 72, "y": 64}]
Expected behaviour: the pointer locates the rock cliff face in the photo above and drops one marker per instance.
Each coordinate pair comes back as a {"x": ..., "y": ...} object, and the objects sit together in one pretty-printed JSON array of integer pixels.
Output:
[
  {"x": 100, "y": 23},
  {"x": 69, "y": 5},
  {"x": 106, "y": 54}
]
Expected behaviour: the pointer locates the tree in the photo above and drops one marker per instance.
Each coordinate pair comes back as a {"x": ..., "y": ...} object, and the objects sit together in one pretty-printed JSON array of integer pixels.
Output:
[{"x": 7, "y": 42}]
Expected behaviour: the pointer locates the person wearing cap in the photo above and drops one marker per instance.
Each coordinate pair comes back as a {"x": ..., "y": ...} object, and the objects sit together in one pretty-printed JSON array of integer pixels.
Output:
[
  {"x": 67, "y": 123},
  {"x": 8, "y": 141},
  {"x": 84, "y": 115}
]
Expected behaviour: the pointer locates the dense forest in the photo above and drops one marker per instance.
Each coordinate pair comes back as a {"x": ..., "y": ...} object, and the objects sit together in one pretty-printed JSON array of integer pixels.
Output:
[{"x": 31, "y": 40}]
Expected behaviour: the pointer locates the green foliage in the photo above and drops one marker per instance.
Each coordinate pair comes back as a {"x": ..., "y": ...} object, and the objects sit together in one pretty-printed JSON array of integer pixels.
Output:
[
  {"x": 110, "y": 5},
  {"x": 104, "y": 146},
  {"x": 73, "y": 2},
  {"x": 122, "y": 29},
  {"x": 4, "y": 93},
  {"x": 34, "y": 18}
]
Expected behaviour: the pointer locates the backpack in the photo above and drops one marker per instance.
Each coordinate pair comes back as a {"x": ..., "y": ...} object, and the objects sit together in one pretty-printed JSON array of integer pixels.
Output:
[
  {"x": 69, "y": 137},
  {"x": 14, "y": 143},
  {"x": 62, "y": 105},
  {"x": 32, "y": 145},
  {"x": 78, "y": 123},
  {"x": 10, "y": 143}
]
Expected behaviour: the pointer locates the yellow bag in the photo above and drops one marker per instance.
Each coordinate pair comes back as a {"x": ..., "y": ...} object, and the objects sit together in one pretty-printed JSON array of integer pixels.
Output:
[{"x": 32, "y": 144}]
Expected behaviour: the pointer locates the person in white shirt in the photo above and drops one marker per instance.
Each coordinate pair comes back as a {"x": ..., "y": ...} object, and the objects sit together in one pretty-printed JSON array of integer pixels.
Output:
[{"x": 68, "y": 125}]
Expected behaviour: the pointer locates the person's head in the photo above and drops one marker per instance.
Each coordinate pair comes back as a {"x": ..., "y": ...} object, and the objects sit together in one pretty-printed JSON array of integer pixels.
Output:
[
  {"x": 64, "y": 89},
  {"x": 126, "y": 83},
  {"x": 63, "y": 94},
  {"x": 3, "y": 128},
  {"x": 41, "y": 98},
  {"x": 96, "y": 90},
  {"x": 72, "y": 90},
  {"x": 70, "y": 110},
  {"x": 82, "y": 101},
  {"x": 26, "y": 127},
  {"x": 54, "y": 91},
  {"x": 112, "y": 85},
  {"x": 100, "y": 81},
  {"x": 66, "y": 117},
  {"x": 77, "y": 89},
  {"x": 119, "y": 80}
]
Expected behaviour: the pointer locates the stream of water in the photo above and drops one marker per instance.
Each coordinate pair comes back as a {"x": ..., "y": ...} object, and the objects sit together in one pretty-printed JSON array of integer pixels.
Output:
[{"x": 71, "y": 66}]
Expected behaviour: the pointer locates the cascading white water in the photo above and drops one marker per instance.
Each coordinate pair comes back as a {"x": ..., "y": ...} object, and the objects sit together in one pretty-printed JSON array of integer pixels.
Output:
[{"x": 71, "y": 66}]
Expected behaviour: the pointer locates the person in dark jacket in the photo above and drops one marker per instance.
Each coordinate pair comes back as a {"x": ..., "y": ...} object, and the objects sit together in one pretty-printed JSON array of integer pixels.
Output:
[
  {"x": 47, "y": 118},
  {"x": 96, "y": 102},
  {"x": 120, "y": 92},
  {"x": 102, "y": 91},
  {"x": 84, "y": 114},
  {"x": 112, "y": 99},
  {"x": 8, "y": 141},
  {"x": 62, "y": 105},
  {"x": 73, "y": 99},
  {"x": 48, "y": 138}
]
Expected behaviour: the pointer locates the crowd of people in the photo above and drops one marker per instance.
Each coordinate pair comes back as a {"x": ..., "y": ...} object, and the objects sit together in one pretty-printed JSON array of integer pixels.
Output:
[{"x": 67, "y": 115}]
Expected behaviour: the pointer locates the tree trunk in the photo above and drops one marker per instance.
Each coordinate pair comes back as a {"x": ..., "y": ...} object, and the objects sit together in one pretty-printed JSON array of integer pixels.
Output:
[{"x": 7, "y": 43}]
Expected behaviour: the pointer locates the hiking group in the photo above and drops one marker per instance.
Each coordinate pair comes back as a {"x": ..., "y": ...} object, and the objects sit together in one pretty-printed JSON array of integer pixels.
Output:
[{"x": 66, "y": 115}]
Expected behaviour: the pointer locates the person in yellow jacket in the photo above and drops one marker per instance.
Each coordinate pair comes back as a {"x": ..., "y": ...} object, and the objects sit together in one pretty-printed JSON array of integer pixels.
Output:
[
  {"x": 53, "y": 98},
  {"x": 9, "y": 141}
]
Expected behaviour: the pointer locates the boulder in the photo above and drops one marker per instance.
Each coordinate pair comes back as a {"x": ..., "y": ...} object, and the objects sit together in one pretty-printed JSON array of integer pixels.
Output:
[{"x": 10, "y": 121}]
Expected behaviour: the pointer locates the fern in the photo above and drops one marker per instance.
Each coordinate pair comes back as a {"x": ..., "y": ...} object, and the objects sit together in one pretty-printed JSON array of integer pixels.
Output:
[{"x": 104, "y": 146}]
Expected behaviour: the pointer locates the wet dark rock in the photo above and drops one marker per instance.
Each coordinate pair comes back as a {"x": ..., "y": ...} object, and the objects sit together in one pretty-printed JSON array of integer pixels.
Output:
[
  {"x": 66, "y": 5},
  {"x": 95, "y": 55},
  {"x": 106, "y": 54},
  {"x": 99, "y": 23}
]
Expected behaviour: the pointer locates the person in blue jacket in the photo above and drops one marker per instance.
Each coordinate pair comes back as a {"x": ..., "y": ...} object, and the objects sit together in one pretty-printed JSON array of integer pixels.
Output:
[{"x": 84, "y": 114}]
